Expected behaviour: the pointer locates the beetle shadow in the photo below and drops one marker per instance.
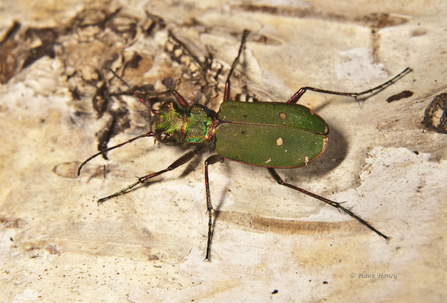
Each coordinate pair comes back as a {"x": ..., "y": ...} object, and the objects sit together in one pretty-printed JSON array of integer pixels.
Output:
[
  {"x": 329, "y": 101},
  {"x": 194, "y": 163},
  {"x": 346, "y": 101},
  {"x": 335, "y": 153},
  {"x": 217, "y": 212}
]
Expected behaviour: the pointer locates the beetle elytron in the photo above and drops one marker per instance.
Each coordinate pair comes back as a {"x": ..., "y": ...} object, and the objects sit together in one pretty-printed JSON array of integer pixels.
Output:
[{"x": 267, "y": 134}]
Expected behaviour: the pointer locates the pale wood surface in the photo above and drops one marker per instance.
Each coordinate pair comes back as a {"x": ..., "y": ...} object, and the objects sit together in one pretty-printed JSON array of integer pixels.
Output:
[{"x": 148, "y": 246}]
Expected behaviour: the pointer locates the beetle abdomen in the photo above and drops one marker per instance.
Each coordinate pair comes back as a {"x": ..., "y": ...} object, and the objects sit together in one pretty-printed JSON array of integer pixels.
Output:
[
  {"x": 272, "y": 113},
  {"x": 270, "y": 134},
  {"x": 267, "y": 145}
]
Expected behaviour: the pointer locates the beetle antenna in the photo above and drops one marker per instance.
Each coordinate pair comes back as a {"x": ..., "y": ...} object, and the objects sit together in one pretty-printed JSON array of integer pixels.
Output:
[
  {"x": 136, "y": 94},
  {"x": 149, "y": 134}
]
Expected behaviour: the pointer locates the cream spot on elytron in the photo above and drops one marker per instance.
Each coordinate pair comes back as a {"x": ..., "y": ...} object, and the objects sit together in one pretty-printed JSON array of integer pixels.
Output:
[
  {"x": 268, "y": 160},
  {"x": 279, "y": 141},
  {"x": 283, "y": 115}
]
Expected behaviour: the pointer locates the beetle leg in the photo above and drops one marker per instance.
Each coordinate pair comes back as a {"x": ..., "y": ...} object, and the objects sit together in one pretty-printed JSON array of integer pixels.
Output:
[
  {"x": 301, "y": 91},
  {"x": 177, "y": 96},
  {"x": 180, "y": 161},
  {"x": 211, "y": 160},
  {"x": 337, "y": 205},
  {"x": 227, "y": 83}
]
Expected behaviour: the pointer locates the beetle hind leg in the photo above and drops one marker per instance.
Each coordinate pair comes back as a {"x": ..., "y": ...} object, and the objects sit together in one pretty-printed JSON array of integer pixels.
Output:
[
  {"x": 337, "y": 205},
  {"x": 294, "y": 99}
]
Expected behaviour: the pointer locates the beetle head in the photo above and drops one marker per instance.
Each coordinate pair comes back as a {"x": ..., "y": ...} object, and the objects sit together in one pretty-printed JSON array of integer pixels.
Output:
[{"x": 168, "y": 122}]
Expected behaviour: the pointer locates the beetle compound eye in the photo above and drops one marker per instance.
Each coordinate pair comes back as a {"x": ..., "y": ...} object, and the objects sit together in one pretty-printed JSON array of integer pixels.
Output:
[
  {"x": 163, "y": 136},
  {"x": 167, "y": 106}
]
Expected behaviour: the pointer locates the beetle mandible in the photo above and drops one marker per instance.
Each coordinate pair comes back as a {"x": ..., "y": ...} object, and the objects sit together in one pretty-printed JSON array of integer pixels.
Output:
[{"x": 266, "y": 134}]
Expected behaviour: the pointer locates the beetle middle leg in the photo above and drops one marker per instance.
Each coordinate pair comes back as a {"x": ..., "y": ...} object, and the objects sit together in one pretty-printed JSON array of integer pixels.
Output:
[
  {"x": 180, "y": 161},
  {"x": 301, "y": 91},
  {"x": 337, "y": 205},
  {"x": 210, "y": 160}
]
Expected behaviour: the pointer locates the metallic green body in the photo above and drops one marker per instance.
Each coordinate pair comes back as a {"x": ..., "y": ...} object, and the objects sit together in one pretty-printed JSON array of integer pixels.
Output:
[
  {"x": 276, "y": 135},
  {"x": 264, "y": 134}
]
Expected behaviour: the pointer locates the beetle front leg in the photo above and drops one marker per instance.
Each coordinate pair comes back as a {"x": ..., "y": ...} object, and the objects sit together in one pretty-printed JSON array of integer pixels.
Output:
[
  {"x": 337, "y": 205},
  {"x": 180, "y": 100},
  {"x": 180, "y": 161},
  {"x": 177, "y": 96},
  {"x": 211, "y": 160}
]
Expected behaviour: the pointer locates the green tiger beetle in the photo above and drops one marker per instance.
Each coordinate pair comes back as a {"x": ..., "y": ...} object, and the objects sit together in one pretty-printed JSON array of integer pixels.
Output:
[{"x": 267, "y": 134}]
